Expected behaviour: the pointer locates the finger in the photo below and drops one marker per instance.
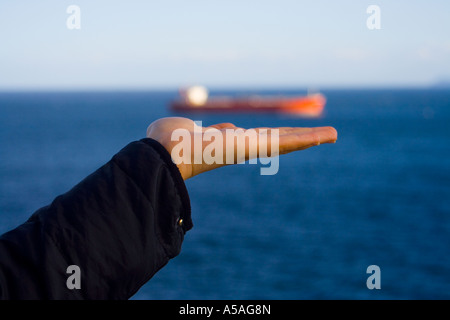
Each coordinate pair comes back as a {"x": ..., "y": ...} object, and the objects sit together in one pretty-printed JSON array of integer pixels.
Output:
[
  {"x": 225, "y": 125},
  {"x": 284, "y": 130},
  {"x": 303, "y": 140},
  {"x": 269, "y": 141},
  {"x": 264, "y": 142}
]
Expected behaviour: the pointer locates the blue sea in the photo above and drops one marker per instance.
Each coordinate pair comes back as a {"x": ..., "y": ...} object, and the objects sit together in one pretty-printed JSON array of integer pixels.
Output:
[{"x": 379, "y": 196}]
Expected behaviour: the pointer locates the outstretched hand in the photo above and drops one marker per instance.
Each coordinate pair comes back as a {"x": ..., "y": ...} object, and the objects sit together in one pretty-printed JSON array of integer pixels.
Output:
[{"x": 289, "y": 140}]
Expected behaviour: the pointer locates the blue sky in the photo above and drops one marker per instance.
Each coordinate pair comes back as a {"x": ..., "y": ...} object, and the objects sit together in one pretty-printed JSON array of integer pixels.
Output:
[{"x": 255, "y": 43}]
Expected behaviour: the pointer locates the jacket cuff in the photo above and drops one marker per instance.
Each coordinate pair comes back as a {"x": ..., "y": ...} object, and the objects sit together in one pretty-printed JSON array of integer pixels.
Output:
[{"x": 178, "y": 180}]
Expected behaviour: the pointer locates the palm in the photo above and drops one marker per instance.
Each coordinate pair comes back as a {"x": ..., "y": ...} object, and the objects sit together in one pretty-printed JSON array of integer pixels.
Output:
[{"x": 290, "y": 139}]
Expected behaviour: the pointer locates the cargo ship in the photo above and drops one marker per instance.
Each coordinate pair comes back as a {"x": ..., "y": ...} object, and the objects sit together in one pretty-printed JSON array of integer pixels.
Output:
[{"x": 196, "y": 99}]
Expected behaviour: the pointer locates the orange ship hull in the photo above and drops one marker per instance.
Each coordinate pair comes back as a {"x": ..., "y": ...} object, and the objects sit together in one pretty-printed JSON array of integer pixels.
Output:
[{"x": 308, "y": 106}]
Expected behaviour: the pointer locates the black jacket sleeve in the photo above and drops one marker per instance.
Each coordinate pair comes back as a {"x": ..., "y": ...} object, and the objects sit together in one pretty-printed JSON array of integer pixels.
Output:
[{"x": 120, "y": 225}]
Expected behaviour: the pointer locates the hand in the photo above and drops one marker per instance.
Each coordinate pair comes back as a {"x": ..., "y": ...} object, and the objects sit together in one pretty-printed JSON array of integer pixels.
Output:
[{"x": 290, "y": 139}]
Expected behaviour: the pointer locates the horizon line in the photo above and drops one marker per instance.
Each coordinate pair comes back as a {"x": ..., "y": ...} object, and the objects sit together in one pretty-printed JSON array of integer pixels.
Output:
[{"x": 223, "y": 87}]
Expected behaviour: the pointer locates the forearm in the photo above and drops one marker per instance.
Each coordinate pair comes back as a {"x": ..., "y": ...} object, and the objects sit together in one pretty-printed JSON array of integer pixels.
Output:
[{"x": 120, "y": 225}]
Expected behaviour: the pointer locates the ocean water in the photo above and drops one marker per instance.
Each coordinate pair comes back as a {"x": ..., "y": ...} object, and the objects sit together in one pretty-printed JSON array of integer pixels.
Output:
[{"x": 379, "y": 196}]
